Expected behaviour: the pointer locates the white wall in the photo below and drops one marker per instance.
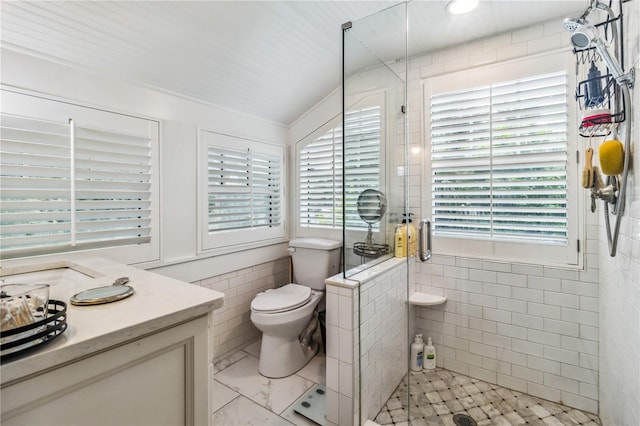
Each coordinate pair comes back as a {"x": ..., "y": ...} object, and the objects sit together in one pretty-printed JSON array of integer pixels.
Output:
[
  {"x": 180, "y": 119},
  {"x": 620, "y": 277}
]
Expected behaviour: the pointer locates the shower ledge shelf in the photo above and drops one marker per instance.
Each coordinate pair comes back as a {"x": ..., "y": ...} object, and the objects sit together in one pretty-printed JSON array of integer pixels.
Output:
[{"x": 425, "y": 299}]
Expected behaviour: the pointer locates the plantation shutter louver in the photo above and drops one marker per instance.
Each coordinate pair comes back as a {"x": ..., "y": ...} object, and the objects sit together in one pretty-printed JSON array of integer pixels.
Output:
[
  {"x": 243, "y": 189},
  {"x": 35, "y": 189},
  {"x": 320, "y": 171},
  {"x": 320, "y": 180},
  {"x": 362, "y": 160},
  {"x": 48, "y": 205},
  {"x": 113, "y": 189},
  {"x": 499, "y": 162}
]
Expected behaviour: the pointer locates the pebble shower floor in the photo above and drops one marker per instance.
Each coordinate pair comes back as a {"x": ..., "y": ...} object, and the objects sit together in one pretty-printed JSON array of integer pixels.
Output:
[{"x": 436, "y": 395}]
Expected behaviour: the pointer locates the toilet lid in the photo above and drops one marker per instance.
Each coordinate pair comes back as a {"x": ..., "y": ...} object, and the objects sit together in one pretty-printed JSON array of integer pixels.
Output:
[{"x": 281, "y": 299}]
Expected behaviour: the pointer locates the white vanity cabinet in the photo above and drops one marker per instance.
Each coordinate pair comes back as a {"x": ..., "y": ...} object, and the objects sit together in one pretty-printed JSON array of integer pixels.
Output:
[
  {"x": 160, "y": 379},
  {"x": 152, "y": 372}
]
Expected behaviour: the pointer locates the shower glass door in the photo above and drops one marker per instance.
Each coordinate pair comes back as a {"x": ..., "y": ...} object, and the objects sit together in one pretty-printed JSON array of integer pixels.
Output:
[
  {"x": 375, "y": 191},
  {"x": 374, "y": 93}
]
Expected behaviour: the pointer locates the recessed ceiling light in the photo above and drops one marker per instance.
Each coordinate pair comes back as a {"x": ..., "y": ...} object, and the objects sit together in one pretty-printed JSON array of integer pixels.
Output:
[{"x": 458, "y": 7}]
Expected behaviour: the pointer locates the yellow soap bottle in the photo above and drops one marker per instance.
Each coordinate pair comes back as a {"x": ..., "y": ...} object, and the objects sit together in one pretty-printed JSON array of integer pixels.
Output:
[{"x": 400, "y": 248}]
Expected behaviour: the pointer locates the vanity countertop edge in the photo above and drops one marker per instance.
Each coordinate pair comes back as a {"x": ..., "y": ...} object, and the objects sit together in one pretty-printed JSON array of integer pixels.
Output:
[{"x": 158, "y": 303}]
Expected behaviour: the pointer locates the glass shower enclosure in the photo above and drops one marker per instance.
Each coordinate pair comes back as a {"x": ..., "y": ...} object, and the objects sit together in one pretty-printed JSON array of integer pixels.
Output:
[
  {"x": 376, "y": 198},
  {"x": 374, "y": 126}
]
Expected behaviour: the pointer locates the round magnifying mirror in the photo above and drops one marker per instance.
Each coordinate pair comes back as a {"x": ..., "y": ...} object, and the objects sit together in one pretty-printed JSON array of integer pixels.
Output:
[{"x": 371, "y": 204}]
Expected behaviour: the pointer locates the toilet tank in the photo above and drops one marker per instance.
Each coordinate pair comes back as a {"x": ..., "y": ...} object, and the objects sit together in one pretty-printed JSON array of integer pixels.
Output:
[{"x": 314, "y": 260}]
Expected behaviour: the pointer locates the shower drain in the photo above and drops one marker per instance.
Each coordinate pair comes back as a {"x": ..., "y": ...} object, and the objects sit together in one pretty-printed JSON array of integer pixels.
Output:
[{"x": 463, "y": 420}]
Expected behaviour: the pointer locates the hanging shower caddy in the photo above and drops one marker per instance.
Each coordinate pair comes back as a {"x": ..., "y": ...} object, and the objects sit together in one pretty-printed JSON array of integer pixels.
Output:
[
  {"x": 604, "y": 100},
  {"x": 602, "y": 124}
]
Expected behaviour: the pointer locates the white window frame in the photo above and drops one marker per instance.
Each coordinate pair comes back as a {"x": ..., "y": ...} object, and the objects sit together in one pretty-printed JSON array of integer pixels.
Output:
[
  {"x": 364, "y": 100},
  {"x": 517, "y": 251},
  {"x": 226, "y": 241},
  {"x": 42, "y": 107}
]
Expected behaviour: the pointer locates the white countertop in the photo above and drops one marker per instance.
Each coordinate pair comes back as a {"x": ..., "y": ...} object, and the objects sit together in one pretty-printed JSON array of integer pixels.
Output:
[{"x": 159, "y": 302}]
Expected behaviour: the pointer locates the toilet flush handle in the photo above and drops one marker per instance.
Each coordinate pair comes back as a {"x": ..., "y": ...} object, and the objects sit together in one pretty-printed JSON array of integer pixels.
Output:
[{"x": 291, "y": 250}]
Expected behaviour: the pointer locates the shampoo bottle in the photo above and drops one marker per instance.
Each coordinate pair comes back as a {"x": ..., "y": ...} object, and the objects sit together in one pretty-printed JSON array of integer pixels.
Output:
[
  {"x": 594, "y": 95},
  {"x": 417, "y": 348},
  {"x": 399, "y": 247},
  {"x": 429, "y": 355},
  {"x": 411, "y": 235}
]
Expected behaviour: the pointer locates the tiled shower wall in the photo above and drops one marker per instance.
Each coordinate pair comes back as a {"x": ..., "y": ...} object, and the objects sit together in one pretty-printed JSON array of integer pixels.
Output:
[
  {"x": 383, "y": 338},
  {"x": 232, "y": 326},
  {"x": 527, "y": 327},
  {"x": 375, "y": 339},
  {"x": 620, "y": 277}
]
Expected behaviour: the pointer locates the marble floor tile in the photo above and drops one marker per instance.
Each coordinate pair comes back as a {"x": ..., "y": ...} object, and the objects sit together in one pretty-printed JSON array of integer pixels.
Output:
[
  {"x": 243, "y": 397},
  {"x": 225, "y": 362},
  {"x": 578, "y": 416},
  {"x": 566, "y": 419},
  {"x": 315, "y": 370},
  {"x": 514, "y": 418},
  {"x": 552, "y": 421},
  {"x": 222, "y": 395},
  {"x": 244, "y": 412},
  {"x": 273, "y": 394},
  {"x": 254, "y": 348},
  {"x": 488, "y": 404},
  {"x": 482, "y": 386},
  {"x": 446, "y": 395}
]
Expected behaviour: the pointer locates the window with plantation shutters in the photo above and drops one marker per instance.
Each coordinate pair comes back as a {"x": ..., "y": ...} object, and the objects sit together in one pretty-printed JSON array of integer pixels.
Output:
[
  {"x": 71, "y": 185},
  {"x": 498, "y": 160},
  {"x": 500, "y": 168},
  {"x": 242, "y": 191},
  {"x": 320, "y": 170}
]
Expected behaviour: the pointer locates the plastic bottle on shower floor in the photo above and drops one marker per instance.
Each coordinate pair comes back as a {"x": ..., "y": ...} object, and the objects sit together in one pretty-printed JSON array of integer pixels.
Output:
[
  {"x": 417, "y": 348},
  {"x": 429, "y": 355}
]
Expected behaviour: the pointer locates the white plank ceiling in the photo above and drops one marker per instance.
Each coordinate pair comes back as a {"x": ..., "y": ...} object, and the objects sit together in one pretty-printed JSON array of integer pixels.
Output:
[{"x": 272, "y": 59}]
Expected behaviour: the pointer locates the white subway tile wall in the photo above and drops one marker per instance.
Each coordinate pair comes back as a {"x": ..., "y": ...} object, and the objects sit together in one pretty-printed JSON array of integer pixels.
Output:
[
  {"x": 619, "y": 303},
  {"x": 232, "y": 326},
  {"x": 379, "y": 344},
  {"x": 523, "y": 337},
  {"x": 342, "y": 341},
  {"x": 531, "y": 328}
]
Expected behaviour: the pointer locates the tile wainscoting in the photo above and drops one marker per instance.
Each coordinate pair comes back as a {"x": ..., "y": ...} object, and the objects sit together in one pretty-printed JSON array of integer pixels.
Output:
[
  {"x": 232, "y": 326},
  {"x": 367, "y": 319}
]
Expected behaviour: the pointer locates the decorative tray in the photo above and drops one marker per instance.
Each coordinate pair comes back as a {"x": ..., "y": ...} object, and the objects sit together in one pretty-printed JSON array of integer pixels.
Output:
[{"x": 21, "y": 340}]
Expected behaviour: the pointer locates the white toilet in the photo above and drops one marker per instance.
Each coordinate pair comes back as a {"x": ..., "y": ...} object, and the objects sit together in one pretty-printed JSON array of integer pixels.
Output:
[{"x": 282, "y": 314}]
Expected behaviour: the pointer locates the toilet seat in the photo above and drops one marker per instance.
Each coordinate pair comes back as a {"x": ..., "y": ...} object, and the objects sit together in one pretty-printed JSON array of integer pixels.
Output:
[{"x": 282, "y": 299}]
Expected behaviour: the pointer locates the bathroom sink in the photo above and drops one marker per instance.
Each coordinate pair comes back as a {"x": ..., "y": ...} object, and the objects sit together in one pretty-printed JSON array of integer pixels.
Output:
[{"x": 48, "y": 276}]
